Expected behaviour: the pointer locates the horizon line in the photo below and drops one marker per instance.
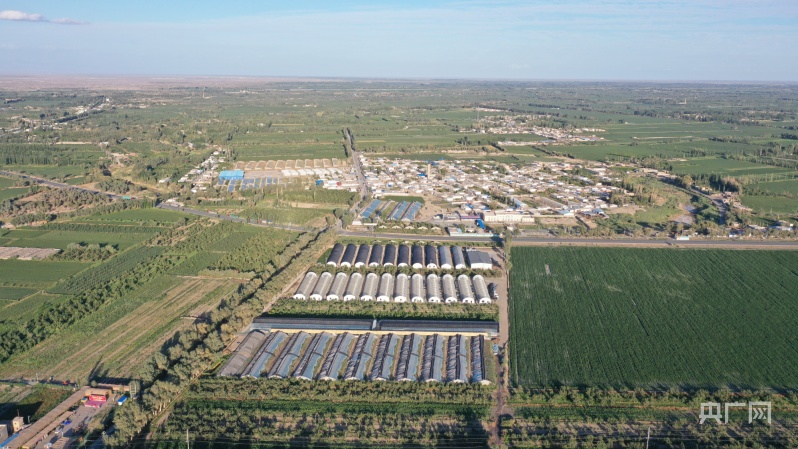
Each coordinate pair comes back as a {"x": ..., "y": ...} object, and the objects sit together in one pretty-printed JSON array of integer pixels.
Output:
[{"x": 311, "y": 78}]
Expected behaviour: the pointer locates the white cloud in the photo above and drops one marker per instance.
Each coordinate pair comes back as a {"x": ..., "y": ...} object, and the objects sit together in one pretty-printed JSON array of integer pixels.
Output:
[
  {"x": 11, "y": 14},
  {"x": 20, "y": 16}
]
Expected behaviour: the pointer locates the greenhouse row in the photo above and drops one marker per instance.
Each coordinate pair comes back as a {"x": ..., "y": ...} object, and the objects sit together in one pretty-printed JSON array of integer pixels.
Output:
[
  {"x": 401, "y": 287},
  {"x": 415, "y": 256},
  {"x": 368, "y": 356}
]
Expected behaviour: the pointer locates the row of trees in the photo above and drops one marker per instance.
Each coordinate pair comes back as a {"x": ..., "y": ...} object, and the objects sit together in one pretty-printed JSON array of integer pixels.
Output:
[{"x": 190, "y": 352}]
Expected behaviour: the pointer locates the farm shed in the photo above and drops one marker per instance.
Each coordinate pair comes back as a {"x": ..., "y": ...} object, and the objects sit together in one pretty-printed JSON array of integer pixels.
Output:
[
  {"x": 457, "y": 258},
  {"x": 417, "y": 290},
  {"x": 289, "y": 355},
  {"x": 401, "y": 288},
  {"x": 238, "y": 361},
  {"x": 354, "y": 287},
  {"x": 464, "y": 285},
  {"x": 431, "y": 256},
  {"x": 346, "y": 324},
  {"x": 348, "y": 259},
  {"x": 322, "y": 286},
  {"x": 383, "y": 359},
  {"x": 338, "y": 353},
  {"x": 490, "y": 328},
  {"x": 265, "y": 354},
  {"x": 432, "y": 368},
  {"x": 479, "y": 260},
  {"x": 370, "y": 286},
  {"x": 456, "y": 362},
  {"x": 306, "y": 286},
  {"x": 477, "y": 365},
  {"x": 403, "y": 256},
  {"x": 231, "y": 175},
  {"x": 481, "y": 293},
  {"x": 385, "y": 292},
  {"x": 415, "y": 358},
  {"x": 335, "y": 255},
  {"x": 375, "y": 260},
  {"x": 434, "y": 288},
  {"x": 407, "y": 365},
  {"x": 338, "y": 286},
  {"x": 361, "y": 355},
  {"x": 362, "y": 257},
  {"x": 445, "y": 257},
  {"x": 417, "y": 257},
  {"x": 389, "y": 258},
  {"x": 449, "y": 289},
  {"x": 312, "y": 356}
]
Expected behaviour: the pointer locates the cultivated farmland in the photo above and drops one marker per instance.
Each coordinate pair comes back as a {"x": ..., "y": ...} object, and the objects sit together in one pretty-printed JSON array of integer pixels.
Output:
[{"x": 654, "y": 317}]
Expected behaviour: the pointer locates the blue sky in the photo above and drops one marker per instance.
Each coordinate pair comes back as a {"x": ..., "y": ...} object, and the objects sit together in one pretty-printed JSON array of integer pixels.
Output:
[{"x": 568, "y": 39}]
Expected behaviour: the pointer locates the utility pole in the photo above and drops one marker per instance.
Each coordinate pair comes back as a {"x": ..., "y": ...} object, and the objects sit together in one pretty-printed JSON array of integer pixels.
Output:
[
  {"x": 187, "y": 443},
  {"x": 648, "y": 437}
]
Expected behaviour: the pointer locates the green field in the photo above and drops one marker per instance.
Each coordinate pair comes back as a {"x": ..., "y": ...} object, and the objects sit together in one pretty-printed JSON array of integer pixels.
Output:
[
  {"x": 36, "y": 238},
  {"x": 35, "y": 273},
  {"x": 654, "y": 317}
]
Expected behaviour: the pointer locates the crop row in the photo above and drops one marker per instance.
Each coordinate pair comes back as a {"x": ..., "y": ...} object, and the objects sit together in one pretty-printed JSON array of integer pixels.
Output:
[{"x": 107, "y": 271}]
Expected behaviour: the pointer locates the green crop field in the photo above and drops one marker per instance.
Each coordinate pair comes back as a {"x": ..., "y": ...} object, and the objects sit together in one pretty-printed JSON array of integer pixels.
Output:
[
  {"x": 654, "y": 317},
  {"x": 15, "y": 292},
  {"x": 35, "y": 273},
  {"x": 771, "y": 204},
  {"x": 61, "y": 239}
]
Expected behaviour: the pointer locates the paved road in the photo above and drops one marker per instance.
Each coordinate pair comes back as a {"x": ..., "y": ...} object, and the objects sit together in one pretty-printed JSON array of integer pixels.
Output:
[
  {"x": 58, "y": 185},
  {"x": 726, "y": 243},
  {"x": 437, "y": 238}
]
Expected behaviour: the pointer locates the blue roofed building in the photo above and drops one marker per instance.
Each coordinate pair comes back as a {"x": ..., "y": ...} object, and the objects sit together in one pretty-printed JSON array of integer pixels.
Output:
[{"x": 231, "y": 175}]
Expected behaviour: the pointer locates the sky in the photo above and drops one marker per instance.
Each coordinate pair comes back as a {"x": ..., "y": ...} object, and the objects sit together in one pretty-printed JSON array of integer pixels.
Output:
[{"x": 679, "y": 40}]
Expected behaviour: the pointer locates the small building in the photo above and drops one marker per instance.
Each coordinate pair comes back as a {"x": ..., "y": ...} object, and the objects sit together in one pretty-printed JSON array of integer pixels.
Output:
[
  {"x": 434, "y": 288},
  {"x": 375, "y": 260},
  {"x": 231, "y": 175},
  {"x": 349, "y": 256},
  {"x": 354, "y": 287},
  {"x": 370, "y": 286},
  {"x": 338, "y": 286},
  {"x": 458, "y": 260},
  {"x": 431, "y": 256},
  {"x": 385, "y": 291},
  {"x": 417, "y": 290},
  {"x": 417, "y": 257},
  {"x": 403, "y": 257},
  {"x": 449, "y": 289},
  {"x": 479, "y": 260},
  {"x": 306, "y": 286},
  {"x": 445, "y": 257},
  {"x": 362, "y": 257},
  {"x": 466, "y": 292},
  {"x": 335, "y": 255},
  {"x": 322, "y": 286},
  {"x": 389, "y": 258},
  {"x": 481, "y": 291},
  {"x": 401, "y": 289}
]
